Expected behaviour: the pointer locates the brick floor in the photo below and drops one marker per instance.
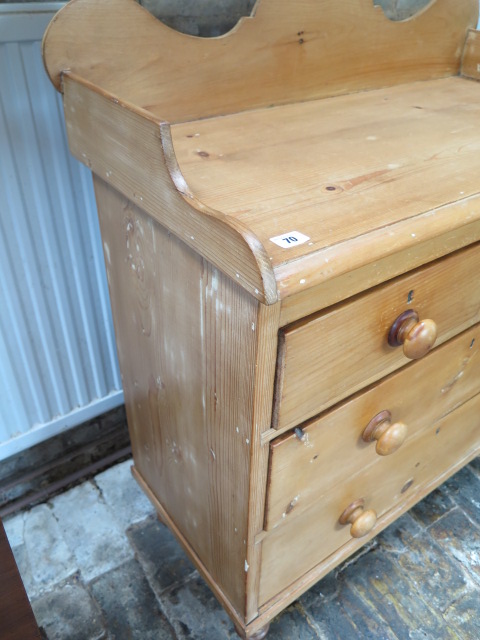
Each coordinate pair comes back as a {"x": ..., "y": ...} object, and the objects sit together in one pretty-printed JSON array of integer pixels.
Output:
[{"x": 97, "y": 565}]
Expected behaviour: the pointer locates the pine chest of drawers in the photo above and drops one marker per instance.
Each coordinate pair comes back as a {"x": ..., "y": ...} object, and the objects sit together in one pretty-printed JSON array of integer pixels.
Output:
[{"x": 291, "y": 224}]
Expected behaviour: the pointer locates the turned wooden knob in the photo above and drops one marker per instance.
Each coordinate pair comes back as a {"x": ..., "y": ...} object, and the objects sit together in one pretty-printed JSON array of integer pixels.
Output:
[
  {"x": 362, "y": 521},
  {"x": 417, "y": 336},
  {"x": 389, "y": 436}
]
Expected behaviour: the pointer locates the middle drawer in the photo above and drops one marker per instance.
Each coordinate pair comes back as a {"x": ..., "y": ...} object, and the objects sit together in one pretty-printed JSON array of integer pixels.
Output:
[{"x": 305, "y": 467}]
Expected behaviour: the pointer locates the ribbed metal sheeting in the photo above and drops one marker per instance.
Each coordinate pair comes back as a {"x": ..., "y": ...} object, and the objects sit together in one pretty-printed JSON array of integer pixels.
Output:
[{"x": 58, "y": 364}]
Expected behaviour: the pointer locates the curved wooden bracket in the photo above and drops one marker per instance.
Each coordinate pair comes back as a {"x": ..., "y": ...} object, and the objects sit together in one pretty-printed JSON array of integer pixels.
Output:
[
  {"x": 268, "y": 291},
  {"x": 132, "y": 150}
]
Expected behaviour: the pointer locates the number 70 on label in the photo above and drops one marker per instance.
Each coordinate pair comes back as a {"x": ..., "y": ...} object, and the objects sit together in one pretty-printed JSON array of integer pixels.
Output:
[{"x": 290, "y": 239}]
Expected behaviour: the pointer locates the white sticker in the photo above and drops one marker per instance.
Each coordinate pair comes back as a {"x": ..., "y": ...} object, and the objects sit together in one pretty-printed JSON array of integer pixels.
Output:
[{"x": 290, "y": 239}]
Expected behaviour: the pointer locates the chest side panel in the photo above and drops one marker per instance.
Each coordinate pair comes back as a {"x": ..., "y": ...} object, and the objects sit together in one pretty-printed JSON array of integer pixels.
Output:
[{"x": 186, "y": 337}]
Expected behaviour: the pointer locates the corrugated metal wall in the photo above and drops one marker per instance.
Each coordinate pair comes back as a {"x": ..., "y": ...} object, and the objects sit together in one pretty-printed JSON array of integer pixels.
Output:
[{"x": 58, "y": 363}]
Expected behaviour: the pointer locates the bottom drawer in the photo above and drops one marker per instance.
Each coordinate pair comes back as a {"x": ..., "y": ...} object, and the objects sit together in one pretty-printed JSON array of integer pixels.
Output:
[{"x": 294, "y": 548}]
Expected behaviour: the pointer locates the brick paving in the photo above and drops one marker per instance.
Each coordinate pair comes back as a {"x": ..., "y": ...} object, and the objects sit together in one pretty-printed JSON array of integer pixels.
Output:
[{"x": 97, "y": 565}]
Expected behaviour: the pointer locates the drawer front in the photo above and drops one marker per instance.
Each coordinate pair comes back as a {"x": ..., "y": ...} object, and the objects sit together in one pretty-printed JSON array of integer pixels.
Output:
[
  {"x": 341, "y": 351},
  {"x": 290, "y": 551},
  {"x": 332, "y": 448}
]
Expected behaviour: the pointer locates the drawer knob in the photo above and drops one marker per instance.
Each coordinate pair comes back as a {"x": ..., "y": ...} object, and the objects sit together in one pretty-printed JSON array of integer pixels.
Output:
[
  {"x": 417, "y": 336},
  {"x": 362, "y": 521},
  {"x": 389, "y": 436}
]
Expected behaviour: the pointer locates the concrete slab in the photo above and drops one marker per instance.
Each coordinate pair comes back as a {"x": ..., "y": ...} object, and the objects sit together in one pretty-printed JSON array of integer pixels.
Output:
[
  {"x": 162, "y": 558},
  {"x": 24, "y": 567},
  {"x": 475, "y": 466},
  {"x": 433, "y": 507},
  {"x": 91, "y": 530},
  {"x": 399, "y": 534},
  {"x": 464, "y": 487},
  {"x": 293, "y": 623},
  {"x": 44, "y": 559},
  {"x": 347, "y": 615},
  {"x": 464, "y": 616},
  {"x": 460, "y": 539},
  {"x": 323, "y": 591},
  {"x": 195, "y": 613},
  {"x": 69, "y": 613},
  {"x": 123, "y": 495},
  {"x": 397, "y": 606},
  {"x": 433, "y": 572},
  {"x": 14, "y": 529},
  {"x": 129, "y": 606}
]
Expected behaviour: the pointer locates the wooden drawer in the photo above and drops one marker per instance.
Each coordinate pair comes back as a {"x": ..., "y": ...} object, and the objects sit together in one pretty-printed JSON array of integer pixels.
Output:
[
  {"x": 345, "y": 349},
  {"x": 289, "y": 551},
  {"x": 332, "y": 449}
]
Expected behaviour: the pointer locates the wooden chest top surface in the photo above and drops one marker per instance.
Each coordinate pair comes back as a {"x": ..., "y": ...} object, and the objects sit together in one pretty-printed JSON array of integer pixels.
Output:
[
  {"x": 281, "y": 130},
  {"x": 337, "y": 168}
]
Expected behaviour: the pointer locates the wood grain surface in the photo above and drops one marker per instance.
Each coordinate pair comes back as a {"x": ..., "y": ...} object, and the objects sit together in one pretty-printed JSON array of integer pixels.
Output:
[
  {"x": 131, "y": 150},
  {"x": 295, "y": 589},
  {"x": 294, "y": 548},
  {"x": 332, "y": 448},
  {"x": 266, "y": 357},
  {"x": 197, "y": 356},
  {"x": 285, "y": 53},
  {"x": 356, "y": 267},
  {"x": 338, "y": 352},
  {"x": 340, "y": 169},
  {"x": 471, "y": 56},
  {"x": 186, "y": 346},
  {"x": 165, "y": 518}
]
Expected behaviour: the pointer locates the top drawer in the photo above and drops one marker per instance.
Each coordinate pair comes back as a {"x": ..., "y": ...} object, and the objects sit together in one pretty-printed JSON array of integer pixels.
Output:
[{"x": 340, "y": 351}]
